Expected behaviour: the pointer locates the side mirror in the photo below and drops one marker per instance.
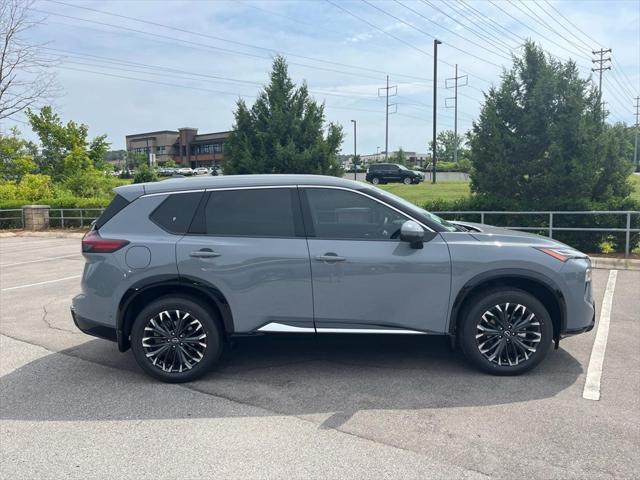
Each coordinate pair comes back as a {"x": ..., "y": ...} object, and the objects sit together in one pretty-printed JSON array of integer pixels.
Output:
[{"x": 413, "y": 233}]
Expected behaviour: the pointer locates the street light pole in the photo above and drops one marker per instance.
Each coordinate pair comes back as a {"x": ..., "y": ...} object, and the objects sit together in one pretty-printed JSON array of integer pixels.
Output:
[
  {"x": 436, "y": 42},
  {"x": 355, "y": 167}
]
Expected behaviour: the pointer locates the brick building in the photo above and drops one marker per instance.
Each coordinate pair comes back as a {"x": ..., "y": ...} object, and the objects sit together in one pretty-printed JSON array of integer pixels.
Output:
[{"x": 185, "y": 146}]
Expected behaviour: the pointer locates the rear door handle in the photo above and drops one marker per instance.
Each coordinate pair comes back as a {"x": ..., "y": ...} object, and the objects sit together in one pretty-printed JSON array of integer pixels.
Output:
[
  {"x": 330, "y": 257},
  {"x": 204, "y": 253}
]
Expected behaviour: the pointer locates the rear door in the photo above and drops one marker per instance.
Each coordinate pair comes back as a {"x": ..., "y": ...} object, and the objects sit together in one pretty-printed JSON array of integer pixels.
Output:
[
  {"x": 394, "y": 173},
  {"x": 364, "y": 277},
  {"x": 249, "y": 243}
]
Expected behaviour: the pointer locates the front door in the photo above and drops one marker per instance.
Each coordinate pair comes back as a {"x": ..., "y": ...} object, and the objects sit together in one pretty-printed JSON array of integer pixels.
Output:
[
  {"x": 364, "y": 277},
  {"x": 249, "y": 244}
]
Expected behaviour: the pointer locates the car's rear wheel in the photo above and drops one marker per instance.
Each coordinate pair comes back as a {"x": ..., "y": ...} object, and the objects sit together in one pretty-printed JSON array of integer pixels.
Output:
[
  {"x": 375, "y": 180},
  {"x": 407, "y": 181},
  {"x": 505, "y": 332},
  {"x": 175, "y": 339}
]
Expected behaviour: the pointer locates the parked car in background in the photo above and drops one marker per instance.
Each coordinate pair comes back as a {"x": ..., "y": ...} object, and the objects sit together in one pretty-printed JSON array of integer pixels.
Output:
[
  {"x": 201, "y": 171},
  {"x": 392, "y": 172},
  {"x": 184, "y": 171},
  {"x": 177, "y": 268}
]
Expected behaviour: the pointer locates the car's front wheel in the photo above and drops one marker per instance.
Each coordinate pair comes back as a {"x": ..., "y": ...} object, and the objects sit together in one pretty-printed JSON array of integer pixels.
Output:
[
  {"x": 375, "y": 180},
  {"x": 407, "y": 181},
  {"x": 175, "y": 339},
  {"x": 505, "y": 332}
]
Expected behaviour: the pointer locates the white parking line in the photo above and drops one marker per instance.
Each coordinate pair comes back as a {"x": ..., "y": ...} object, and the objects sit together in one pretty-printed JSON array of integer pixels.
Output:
[
  {"x": 594, "y": 372},
  {"x": 40, "y": 283},
  {"x": 41, "y": 260}
]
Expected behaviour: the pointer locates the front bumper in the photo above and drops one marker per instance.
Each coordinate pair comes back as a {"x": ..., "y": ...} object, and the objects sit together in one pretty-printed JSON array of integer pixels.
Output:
[
  {"x": 92, "y": 328},
  {"x": 587, "y": 328}
]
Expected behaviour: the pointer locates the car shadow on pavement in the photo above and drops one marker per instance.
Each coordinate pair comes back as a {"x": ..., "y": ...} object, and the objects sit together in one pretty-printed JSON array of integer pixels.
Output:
[{"x": 276, "y": 375}]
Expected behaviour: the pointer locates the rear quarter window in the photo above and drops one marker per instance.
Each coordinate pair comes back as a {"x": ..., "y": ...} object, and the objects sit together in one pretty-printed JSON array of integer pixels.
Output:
[
  {"x": 116, "y": 205},
  {"x": 175, "y": 214}
]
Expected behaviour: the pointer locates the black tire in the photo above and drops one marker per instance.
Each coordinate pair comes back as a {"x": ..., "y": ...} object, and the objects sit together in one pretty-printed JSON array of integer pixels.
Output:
[
  {"x": 375, "y": 180},
  {"x": 407, "y": 181},
  {"x": 207, "y": 324},
  {"x": 515, "y": 355}
]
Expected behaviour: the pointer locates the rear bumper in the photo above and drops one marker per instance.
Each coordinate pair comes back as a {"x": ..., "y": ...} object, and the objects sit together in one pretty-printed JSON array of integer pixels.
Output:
[{"x": 92, "y": 328}]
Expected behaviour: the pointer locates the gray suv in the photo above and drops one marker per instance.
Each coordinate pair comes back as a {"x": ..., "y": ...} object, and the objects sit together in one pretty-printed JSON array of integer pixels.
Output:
[{"x": 174, "y": 269}]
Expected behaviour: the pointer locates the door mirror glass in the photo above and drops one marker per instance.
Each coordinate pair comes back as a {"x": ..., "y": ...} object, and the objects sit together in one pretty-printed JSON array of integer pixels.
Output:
[{"x": 413, "y": 233}]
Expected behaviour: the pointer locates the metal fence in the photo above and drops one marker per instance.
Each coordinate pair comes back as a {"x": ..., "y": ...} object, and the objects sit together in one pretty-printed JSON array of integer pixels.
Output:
[
  {"x": 11, "y": 218},
  {"x": 624, "y": 223},
  {"x": 73, "y": 217}
]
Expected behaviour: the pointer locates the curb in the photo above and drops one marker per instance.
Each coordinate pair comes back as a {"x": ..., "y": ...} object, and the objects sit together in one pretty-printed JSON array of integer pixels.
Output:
[
  {"x": 615, "y": 263},
  {"x": 45, "y": 234}
]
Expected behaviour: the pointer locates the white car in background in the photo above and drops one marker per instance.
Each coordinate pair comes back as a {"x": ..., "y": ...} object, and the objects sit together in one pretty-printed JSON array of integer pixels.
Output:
[
  {"x": 184, "y": 171},
  {"x": 201, "y": 171}
]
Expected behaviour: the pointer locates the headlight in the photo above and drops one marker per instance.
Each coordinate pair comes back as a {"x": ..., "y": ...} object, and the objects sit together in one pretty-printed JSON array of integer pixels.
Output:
[
  {"x": 562, "y": 253},
  {"x": 587, "y": 275}
]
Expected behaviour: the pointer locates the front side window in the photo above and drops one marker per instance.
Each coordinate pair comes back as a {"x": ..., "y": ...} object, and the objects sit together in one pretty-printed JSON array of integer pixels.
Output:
[
  {"x": 340, "y": 214},
  {"x": 265, "y": 212}
]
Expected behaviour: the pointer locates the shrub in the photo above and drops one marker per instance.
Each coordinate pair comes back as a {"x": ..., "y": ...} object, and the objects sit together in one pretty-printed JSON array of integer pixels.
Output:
[
  {"x": 145, "y": 174},
  {"x": 89, "y": 183},
  {"x": 34, "y": 187},
  {"x": 8, "y": 190}
]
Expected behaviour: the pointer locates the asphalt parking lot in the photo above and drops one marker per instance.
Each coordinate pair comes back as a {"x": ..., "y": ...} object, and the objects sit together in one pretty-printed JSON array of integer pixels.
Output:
[{"x": 297, "y": 407}]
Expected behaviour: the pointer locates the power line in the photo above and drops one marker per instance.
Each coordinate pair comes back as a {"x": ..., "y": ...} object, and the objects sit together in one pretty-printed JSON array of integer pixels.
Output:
[
  {"x": 544, "y": 24},
  {"x": 188, "y": 87},
  {"x": 243, "y": 44},
  {"x": 458, "y": 9},
  {"x": 444, "y": 28},
  {"x": 615, "y": 71},
  {"x": 499, "y": 29},
  {"x": 482, "y": 37},
  {"x": 378, "y": 28},
  {"x": 394, "y": 36},
  {"x": 586, "y": 45},
  {"x": 528, "y": 27}
]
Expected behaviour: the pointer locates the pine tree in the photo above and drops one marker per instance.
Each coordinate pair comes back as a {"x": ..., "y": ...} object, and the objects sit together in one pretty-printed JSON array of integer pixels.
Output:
[
  {"x": 283, "y": 132},
  {"x": 540, "y": 141}
]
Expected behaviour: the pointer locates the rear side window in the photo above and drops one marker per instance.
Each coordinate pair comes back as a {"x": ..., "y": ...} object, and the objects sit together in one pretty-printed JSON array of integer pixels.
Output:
[
  {"x": 266, "y": 212},
  {"x": 175, "y": 214},
  {"x": 117, "y": 204}
]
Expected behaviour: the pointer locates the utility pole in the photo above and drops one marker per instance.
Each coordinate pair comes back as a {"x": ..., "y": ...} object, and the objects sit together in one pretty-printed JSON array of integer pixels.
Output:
[
  {"x": 355, "y": 166},
  {"x": 455, "y": 106},
  {"x": 600, "y": 68},
  {"x": 386, "y": 118},
  {"x": 636, "y": 162},
  {"x": 436, "y": 42}
]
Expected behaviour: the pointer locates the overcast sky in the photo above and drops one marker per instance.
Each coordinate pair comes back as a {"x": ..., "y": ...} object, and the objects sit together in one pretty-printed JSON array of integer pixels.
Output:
[{"x": 205, "y": 54}]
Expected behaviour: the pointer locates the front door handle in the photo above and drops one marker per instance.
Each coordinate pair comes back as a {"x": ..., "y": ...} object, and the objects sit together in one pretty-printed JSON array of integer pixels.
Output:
[
  {"x": 204, "y": 253},
  {"x": 330, "y": 257}
]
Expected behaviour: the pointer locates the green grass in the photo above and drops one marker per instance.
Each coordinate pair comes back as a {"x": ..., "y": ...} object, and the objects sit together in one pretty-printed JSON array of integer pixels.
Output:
[{"x": 427, "y": 192}]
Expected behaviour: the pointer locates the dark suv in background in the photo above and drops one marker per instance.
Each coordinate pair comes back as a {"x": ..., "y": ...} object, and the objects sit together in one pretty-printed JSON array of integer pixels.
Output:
[{"x": 392, "y": 172}]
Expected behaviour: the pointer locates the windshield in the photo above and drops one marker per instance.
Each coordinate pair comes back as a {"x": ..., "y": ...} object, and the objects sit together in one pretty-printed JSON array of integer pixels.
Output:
[
  {"x": 402, "y": 167},
  {"x": 419, "y": 213}
]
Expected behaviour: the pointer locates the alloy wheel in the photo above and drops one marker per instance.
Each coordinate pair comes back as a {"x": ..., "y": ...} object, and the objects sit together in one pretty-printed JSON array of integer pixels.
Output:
[
  {"x": 174, "y": 341},
  {"x": 508, "y": 334}
]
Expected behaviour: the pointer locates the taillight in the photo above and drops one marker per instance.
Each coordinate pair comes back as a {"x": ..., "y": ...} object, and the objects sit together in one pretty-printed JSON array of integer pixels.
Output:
[{"x": 92, "y": 242}]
